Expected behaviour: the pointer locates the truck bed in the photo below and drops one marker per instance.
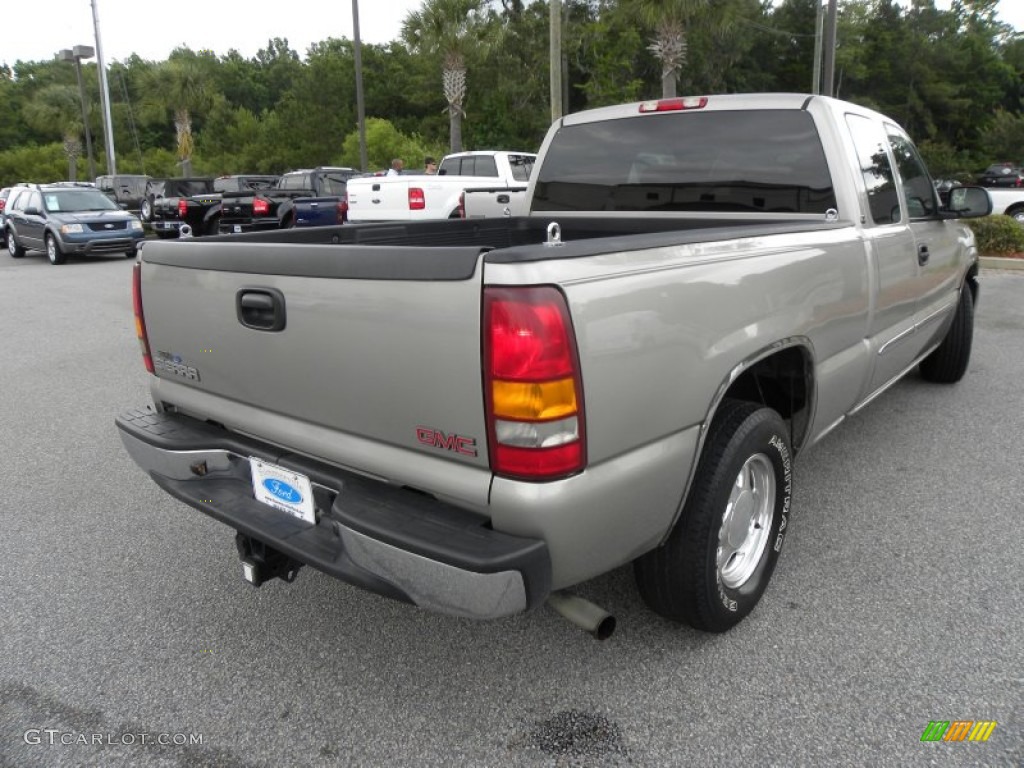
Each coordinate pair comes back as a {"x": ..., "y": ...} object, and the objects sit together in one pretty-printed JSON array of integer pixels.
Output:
[{"x": 578, "y": 234}]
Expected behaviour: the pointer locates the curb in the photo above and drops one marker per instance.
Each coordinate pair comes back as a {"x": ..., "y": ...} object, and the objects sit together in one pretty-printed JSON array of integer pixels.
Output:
[{"x": 998, "y": 262}]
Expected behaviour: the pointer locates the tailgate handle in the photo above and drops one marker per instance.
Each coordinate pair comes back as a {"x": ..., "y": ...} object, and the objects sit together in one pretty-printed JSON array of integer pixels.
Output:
[
  {"x": 261, "y": 309},
  {"x": 503, "y": 198}
]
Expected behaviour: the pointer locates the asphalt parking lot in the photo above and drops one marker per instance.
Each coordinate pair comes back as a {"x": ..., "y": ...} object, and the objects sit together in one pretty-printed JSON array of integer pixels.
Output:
[{"x": 129, "y": 638}]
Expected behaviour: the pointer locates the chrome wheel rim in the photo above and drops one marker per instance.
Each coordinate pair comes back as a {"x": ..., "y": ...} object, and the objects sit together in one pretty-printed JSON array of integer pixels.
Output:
[
  {"x": 51, "y": 249},
  {"x": 747, "y": 522},
  {"x": 12, "y": 247}
]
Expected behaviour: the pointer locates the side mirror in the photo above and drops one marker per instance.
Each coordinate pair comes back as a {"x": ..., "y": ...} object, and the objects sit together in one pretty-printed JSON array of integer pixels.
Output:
[{"x": 969, "y": 202}]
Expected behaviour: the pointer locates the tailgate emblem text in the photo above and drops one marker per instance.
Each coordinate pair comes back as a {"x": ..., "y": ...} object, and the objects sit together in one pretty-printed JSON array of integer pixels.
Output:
[
  {"x": 435, "y": 438},
  {"x": 173, "y": 364}
]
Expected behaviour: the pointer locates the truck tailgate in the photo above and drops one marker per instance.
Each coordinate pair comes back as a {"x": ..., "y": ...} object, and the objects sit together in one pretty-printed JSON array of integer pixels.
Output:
[{"x": 369, "y": 342}]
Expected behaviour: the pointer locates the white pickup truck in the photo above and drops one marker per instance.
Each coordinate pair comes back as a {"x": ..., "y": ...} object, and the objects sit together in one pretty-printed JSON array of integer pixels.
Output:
[
  {"x": 473, "y": 416},
  {"x": 1007, "y": 201},
  {"x": 415, "y": 197}
]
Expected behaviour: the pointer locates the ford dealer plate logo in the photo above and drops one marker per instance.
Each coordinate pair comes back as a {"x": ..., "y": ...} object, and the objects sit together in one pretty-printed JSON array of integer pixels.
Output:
[{"x": 279, "y": 489}]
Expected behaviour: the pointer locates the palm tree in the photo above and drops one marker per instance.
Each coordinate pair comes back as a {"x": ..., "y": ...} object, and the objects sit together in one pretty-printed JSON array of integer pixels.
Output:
[
  {"x": 59, "y": 107},
  {"x": 671, "y": 21},
  {"x": 180, "y": 85},
  {"x": 449, "y": 28}
]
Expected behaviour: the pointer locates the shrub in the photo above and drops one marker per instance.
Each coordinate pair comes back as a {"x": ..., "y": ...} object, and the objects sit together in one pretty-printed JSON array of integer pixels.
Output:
[{"x": 998, "y": 235}]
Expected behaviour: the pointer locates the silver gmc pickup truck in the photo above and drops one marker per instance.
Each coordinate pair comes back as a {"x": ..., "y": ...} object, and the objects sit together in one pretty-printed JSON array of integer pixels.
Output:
[{"x": 473, "y": 416}]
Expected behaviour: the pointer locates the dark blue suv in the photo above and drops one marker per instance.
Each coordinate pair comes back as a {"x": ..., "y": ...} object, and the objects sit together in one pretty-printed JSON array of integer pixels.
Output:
[{"x": 64, "y": 219}]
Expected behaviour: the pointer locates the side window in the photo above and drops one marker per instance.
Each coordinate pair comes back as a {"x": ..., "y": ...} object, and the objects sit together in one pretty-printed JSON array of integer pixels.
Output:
[
  {"x": 879, "y": 180},
  {"x": 450, "y": 167},
  {"x": 333, "y": 186},
  {"x": 486, "y": 166},
  {"x": 522, "y": 166},
  {"x": 918, "y": 190},
  {"x": 35, "y": 200}
]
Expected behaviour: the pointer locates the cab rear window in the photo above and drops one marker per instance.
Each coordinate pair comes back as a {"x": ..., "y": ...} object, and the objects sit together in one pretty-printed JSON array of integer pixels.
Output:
[{"x": 769, "y": 162}]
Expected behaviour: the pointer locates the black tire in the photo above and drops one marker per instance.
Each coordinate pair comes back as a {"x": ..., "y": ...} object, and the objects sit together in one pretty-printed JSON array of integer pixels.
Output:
[
  {"x": 53, "y": 250},
  {"x": 146, "y": 211},
  {"x": 1017, "y": 212},
  {"x": 948, "y": 363},
  {"x": 13, "y": 247},
  {"x": 684, "y": 579},
  {"x": 131, "y": 254},
  {"x": 212, "y": 226},
  {"x": 163, "y": 234}
]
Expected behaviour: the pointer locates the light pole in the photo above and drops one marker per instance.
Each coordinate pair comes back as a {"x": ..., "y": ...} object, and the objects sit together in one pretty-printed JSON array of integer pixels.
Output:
[
  {"x": 360, "y": 104},
  {"x": 108, "y": 128},
  {"x": 76, "y": 55}
]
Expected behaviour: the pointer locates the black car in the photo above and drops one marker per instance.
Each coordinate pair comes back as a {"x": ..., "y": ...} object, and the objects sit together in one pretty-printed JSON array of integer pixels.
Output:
[
  {"x": 1002, "y": 175},
  {"x": 161, "y": 203}
]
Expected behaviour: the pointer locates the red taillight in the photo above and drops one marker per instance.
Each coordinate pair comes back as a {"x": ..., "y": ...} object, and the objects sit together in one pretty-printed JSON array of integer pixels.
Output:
[
  {"x": 3, "y": 204},
  {"x": 417, "y": 200},
  {"x": 182, "y": 208},
  {"x": 140, "y": 322},
  {"x": 343, "y": 210},
  {"x": 674, "y": 105},
  {"x": 260, "y": 207},
  {"x": 533, "y": 389}
]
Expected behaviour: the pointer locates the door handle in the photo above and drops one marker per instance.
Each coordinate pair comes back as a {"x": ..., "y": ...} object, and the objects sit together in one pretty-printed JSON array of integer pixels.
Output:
[
  {"x": 261, "y": 309},
  {"x": 922, "y": 255}
]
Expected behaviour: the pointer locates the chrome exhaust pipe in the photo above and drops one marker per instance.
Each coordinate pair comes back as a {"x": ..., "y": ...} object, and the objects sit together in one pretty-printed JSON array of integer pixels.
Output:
[{"x": 583, "y": 613}]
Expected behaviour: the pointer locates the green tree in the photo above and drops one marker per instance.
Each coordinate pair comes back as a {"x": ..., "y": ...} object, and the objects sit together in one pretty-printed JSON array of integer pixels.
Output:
[
  {"x": 181, "y": 86},
  {"x": 671, "y": 21},
  {"x": 448, "y": 29},
  {"x": 383, "y": 143},
  {"x": 56, "y": 110}
]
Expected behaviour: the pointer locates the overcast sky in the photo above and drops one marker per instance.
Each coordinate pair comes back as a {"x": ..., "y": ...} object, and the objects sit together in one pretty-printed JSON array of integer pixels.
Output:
[{"x": 34, "y": 30}]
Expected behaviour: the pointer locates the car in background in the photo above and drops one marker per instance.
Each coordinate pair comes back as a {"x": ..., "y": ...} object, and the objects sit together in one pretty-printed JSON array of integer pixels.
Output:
[
  {"x": 1002, "y": 175},
  {"x": 4, "y": 194},
  {"x": 9, "y": 195},
  {"x": 127, "y": 190},
  {"x": 202, "y": 212},
  {"x": 312, "y": 197},
  {"x": 160, "y": 204},
  {"x": 63, "y": 219}
]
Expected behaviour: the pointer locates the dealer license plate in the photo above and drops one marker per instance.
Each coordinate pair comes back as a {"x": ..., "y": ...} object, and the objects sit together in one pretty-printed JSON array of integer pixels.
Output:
[{"x": 282, "y": 489}]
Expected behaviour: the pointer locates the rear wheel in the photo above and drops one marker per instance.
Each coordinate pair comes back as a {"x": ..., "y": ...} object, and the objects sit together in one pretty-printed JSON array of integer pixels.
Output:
[
  {"x": 13, "y": 248},
  {"x": 720, "y": 555},
  {"x": 948, "y": 363},
  {"x": 1017, "y": 212},
  {"x": 53, "y": 250}
]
